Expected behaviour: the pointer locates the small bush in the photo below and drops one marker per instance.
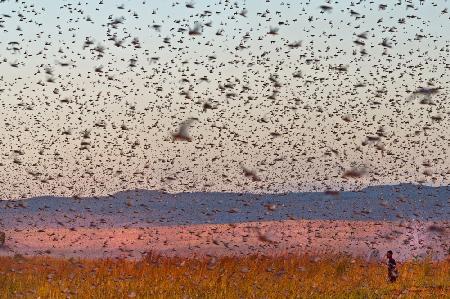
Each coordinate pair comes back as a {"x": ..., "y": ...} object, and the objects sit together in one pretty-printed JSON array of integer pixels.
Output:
[{"x": 2, "y": 238}]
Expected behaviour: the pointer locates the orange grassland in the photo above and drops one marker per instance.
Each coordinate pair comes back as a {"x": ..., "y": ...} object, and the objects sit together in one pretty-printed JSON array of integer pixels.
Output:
[{"x": 224, "y": 277}]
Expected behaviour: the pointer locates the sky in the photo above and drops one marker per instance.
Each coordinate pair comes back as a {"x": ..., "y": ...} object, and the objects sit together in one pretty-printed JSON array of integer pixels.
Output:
[{"x": 280, "y": 96}]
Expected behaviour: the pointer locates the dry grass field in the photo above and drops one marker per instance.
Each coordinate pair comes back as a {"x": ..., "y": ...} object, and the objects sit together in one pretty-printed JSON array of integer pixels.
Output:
[{"x": 224, "y": 277}]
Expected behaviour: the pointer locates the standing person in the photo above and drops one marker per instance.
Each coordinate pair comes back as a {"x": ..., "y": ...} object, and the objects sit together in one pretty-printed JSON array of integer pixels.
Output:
[{"x": 392, "y": 267}]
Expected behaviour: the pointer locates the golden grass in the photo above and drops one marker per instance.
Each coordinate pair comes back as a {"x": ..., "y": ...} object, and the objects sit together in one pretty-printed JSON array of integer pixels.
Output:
[{"x": 227, "y": 277}]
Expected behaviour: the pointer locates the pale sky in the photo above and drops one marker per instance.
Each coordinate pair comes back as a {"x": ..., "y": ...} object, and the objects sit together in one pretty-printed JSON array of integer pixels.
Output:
[{"x": 299, "y": 108}]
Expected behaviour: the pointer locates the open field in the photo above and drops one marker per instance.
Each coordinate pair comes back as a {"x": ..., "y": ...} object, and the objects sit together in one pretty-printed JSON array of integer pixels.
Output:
[
  {"x": 366, "y": 239},
  {"x": 99, "y": 249},
  {"x": 225, "y": 277}
]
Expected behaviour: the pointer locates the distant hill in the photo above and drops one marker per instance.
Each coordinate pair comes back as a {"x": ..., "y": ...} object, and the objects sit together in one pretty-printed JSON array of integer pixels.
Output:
[{"x": 140, "y": 208}]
